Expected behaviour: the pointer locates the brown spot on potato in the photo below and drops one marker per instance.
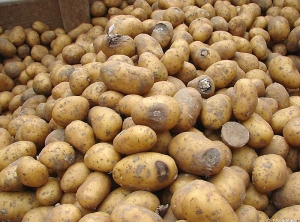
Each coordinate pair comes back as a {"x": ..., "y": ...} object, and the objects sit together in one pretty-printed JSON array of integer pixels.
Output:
[
  {"x": 212, "y": 157},
  {"x": 162, "y": 171},
  {"x": 157, "y": 113}
]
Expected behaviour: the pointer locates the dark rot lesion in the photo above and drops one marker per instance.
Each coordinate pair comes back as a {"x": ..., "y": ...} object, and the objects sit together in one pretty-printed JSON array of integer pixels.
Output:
[{"x": 162, "y": 171}]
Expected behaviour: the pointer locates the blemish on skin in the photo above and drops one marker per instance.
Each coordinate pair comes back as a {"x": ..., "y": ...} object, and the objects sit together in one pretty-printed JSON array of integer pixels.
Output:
[{"x": 162, "y": 171}]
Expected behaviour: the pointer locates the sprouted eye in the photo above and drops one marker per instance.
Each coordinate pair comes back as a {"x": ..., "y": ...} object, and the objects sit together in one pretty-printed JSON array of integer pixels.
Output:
[
  {"x": 113, "y": 39},
  {"x": 204, "y": 85}
]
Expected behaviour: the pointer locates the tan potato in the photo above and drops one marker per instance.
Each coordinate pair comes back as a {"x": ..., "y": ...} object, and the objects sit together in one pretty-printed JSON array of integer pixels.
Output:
[
  {"x": 7, "y": 48},
  {"x": 246, "y": 61},
  {"x": 133, "y": 212},
  {"x": 110, "y": 99},
  {"x": 173, "y": 60},
  {"x": 74, "y": 177},
  {"x": 278, "y": 28},
  {"x": 282, "y": 116},
  {"x": 174, "y": 15},
  {"x": 96, "y": 216},
  {"x": 105, "y": 122},
  {"x": 283, "y": 70},
  {"x": 146, "y": 43},
  {"x": 193, "y": 12},
  {"x": 63, "y": 158},
  {"x": 291, "y": 212},
  {"x": 47, "y": 37},
  {"x": 270, "y": 164},
  {"x": 203, "y": 84},
  {"x": 201, "y": 29},
  {"x": 291, "y": 131},
  {"x": 42, "y": 84},
  {"x": 73, "y": 53},
  {"x": 237, "y": 26},
  {"x": 259, "y": 74},
  {"x": 93, "y": 190},
  {"x": 116, "y": 77},
  {"x": 202, "y": 162},
  {"x": 98, "y": 9},
  {"x": 256, "y": 199},
  {"x": 217, "y": 107},
  {"x": 93, "y": 92},
  {"x": 69, "y": 109},
  {"x": 279, "y": 93},
  {"x": 131, "y": 171},
  {"x": 205, "y": 57},
  {"x": 38, "y": 213},
  {"x": 219, "y": 23},
  {"x": 5, "y": 98},
  {"x": 102, "y": 157},
  {"x": 264, "y": 110},
  {"x": 5, "y": 138},
  {"x": 162, "y": 88},
  {"x": 17, "y": 204},
  {"x": 159, "y": 112},
  {"x": 14, "y": 69},
  {"x": 59, "y": 43},
  {"x": 135, "y": 139},
  {"x": 247, "y": 213},
  {"x": 242, "y": 45},
  {"x": 259, "y": 47},
  {"x": 49, "y": 193},
  {"x": 58, "y": 213}
]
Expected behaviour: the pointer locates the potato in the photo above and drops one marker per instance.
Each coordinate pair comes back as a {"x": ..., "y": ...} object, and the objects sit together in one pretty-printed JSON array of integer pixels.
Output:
[
  {"x": 42, "y": 84},
  {"x": 269, "y": 164},
  {"x": 247, "y": 213},
  {"x": 256, "y": 199},
  {"x": 282, "y": 116},
  {"x": 38, "y": 213},
  {"x": 204, "y": 85},
  {"x": 193, "y": 12},
  {"x": 105, "y": 122},
  {"x": 259, "y": 47},
  {"x": 216, "y": 111},
  {"x": 80, "y": 135},
  {"x": 242, "y": 45},
  {"x": 201, "y": 29},
  {"x": 283, "y": 70},
  {"x": 112, "y": 199},
  {"x": 116, "y": 76},
  {"x": 74, "y": 177},
  {"x": 15, "y": 205},
  {"x": 146, "y": 43},
  {"x": 14, "y": 69},
  {"x": 93, "y": 92},
  {"x": 291, "y": 131},
  {"x": 196, "y": 201},
  {"x": 73, "y": 53},
  {"x": 204, "y": 57},
  {"x": 174, "y": 15},
  {"x": 219, "y": 23},
  {"x": 244, "y": 99},
  {"x": 58, "y": 44},
  {"x": 278, "y": 28},
  {"x": 230, "y": 186},
  {"x": 110, "y": 99},
  {"x": 49, "y": 193},
  {"x": 64, "y": 212},
  {"x": 98, "y": 9},
  {"x": 288, "y": 194},
  {"x": 292, "y": 40},
  {"x": 133, "y": 212},
  {"x": 16, "y": 150},
  {"x": 278, "y": 145},
  {"x": 102, "y": 157},
  {"x": 292, "y": 159},
  {"x": 57, "y": 155},
  {"x": 237, "y": 26},
  {"x": 145, "y": 171},
  {"x": 5, "y": 138},
  {"x": 159, "y": 112},
  {"x": 234, "y": 134},
  {"x": 246, "y": 61},
  {"x": 69, "y": 109},
  {"x": 193, "y": 160},
  {"x": 244, "y": 158},
  {"x": 259, "y": 74},
  {"x": 291, "y": 212},
  {"x": 135, "y": 139},
  {"x": 93, "y": 190},
  {"x": 7, "y": 48},
  {"x": 173, "y": 60}
]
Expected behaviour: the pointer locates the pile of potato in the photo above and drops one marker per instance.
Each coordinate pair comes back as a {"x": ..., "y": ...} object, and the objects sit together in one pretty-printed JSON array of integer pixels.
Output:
[{"x": 157, "y": 110}]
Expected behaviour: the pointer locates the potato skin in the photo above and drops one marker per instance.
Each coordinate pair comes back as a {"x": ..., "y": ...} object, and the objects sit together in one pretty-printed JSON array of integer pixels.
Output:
[
  {"x": 96, "y": 216},
  {"x": 37, "y": 214},
  {"x": 17, "y": 204},
  {"x": 291, "y": 132},
  {"x": 125, "y": 78},
  {"x": 159, "y": 112},
  {"x": 145, "y": 171},
  {"x": 50, "y": 193},
  {"x": 59, "y": 213},
  {"x": 291, "y": 212}
]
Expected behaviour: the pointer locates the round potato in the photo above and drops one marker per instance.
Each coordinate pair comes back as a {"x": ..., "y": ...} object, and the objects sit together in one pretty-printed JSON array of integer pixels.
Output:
[
  {"x": 145, "y": 171},
  {"x": 58, "y": 213},
  {"x": 96, "y": 216},
  {"x": 159, "y": 112},
  {"x": 244, "y": 158},
  {"x": 49, "y": 193},
  {"x": 291, "y": 131}
]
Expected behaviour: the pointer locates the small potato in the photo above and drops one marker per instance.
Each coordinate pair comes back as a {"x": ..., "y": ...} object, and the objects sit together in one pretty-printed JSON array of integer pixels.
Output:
[
  {"x": 94, "y": 91},
  {"x": 17, "y": 35},
  {"x": 110, "y": 99},
  {"x": 256, "y": 199},
  {"x": 7, "y": 48},
  {"x": 242, "y": 45},
  {"x": 279, "y": 93},
  {"x": 102, "y": 157},
  {"x": 112, "y": 199},
  {"x": 146, "y": 43},
  {"x": 5, "y": 138},
  {"x": 282, "y": 116},
  {"x": 135, "y": 139},
  {"x": 74, "y": 177},
  {"x": 245, "y": 99},
  {"x": 278, "y": 146},
  {"x": 270, "y": 164},
  {"x": 237, "y": 26},
  {"x": 247, "y": 213},
  {"x": 73, "y": 53},
  {"x": 133, "y": 171},
  {"x": 127, "y": 102},
  {"x": 291, "y": 131},
  {"x": 57, "y": 155},
  {"x": 49, "y": 193},
  {"x": 37, "y": 214},
  {"x": 16, "y": 150},
  {"x": 80, "y": 135},
  {"x": 278, "y": 28},
  {"x": 193, "y": 12},
  {"x": 96, "y": 216},
  {"x": 16, "y": 204},
  {"x": 290, "y": 212},
  {"x": 259, "y": 47},
  {"x": 47, "y": 37},
  {"x": 173, "y": 60},
  {"x": 230, "y": 186},
  {"x": 162, "y": 88},
  {"x": 69, "y": 109},
  {"x": 81, "y": 29},
  {"x": 283, "y": 70},
  {"x": 201, "y": 29},
  {"x": 105, "y": 122},
  {"x": 35, "y": 68},
  {"x": 125, "y": 78},
  {"x": 159, "y": 112},
  {"x": 42, "y": 84},
  {"x": 259, "y": 74},
  {"x": 174, "y": 15},
  {"x": 244, "y": 158},
  {"x": 131, "y": 212},
  {"x": 246, "y": 61},
  {"x": 14, "y": 69},
  {"x": 219, "y": 23},
  {"x": 58, "y": 44},
  {"x": 32, "y": 37},
  {"x": 151, "y": 62},
  {"x": 93, "y": 190},
  {"x": 141, "y": 198},
  {"x": 204, "y": 57},
  {"x": 264, "y": 110},
  {"x": 216, "y": 111},
  {"x": 190, "y": 103},
  {"x": 225, "y": 48},
  {"x": 64, "y": 212},
  {"x": 197, "y": 154}
]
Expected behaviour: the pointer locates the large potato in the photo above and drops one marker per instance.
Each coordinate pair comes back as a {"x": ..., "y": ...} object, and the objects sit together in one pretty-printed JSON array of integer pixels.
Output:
[
  {"x": 159, "y": 112},
  {"x": 145, "y": 171},
  {"x": 125, "y": 78},
  {"x": 37, "y": 214},
  {"x": 69, "y": 109}
]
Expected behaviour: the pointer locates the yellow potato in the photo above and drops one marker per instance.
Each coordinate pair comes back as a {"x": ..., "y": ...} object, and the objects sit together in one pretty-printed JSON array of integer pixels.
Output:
[
  {"x": 291, "y": 131},
  {"x": 50, "y": 193},
  {"x": 247, "y": 213},
  {"x": 291, "y": 212},
  {"x": 146, "y": 43},
  {"x": 7, "y": 48},
  {"x": 173, "y": 60},
  {"x": 282, "y": 116},
  {"x": 255, "y": 198},
  {"x": 64, "y": 212},
  {"x": 96, "y": 216},
  {"x": 37, "y": 214}
]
